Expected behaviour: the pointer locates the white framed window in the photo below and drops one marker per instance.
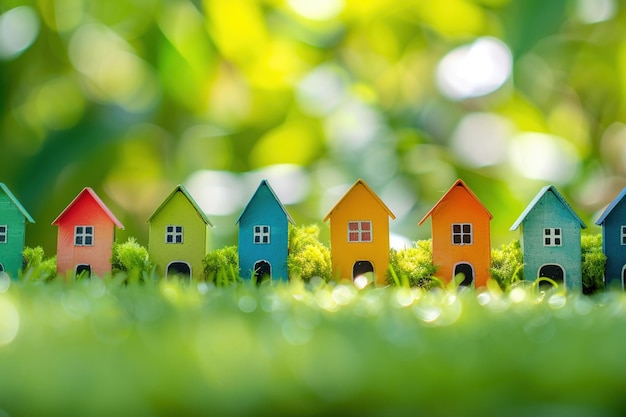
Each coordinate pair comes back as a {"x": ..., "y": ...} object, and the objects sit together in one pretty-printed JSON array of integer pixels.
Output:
[
  {"x": 83, "y": 236},
  {"x": 360, "y": 231},
  {"x": 552, "y": 236},
  {"x": 462, "y": 234},
  {"x": 261, "y": 235},
  {"x": 622, "y": 229},
  {"x": 173, "y": 234},
  {"x": 4, "y": 233}
]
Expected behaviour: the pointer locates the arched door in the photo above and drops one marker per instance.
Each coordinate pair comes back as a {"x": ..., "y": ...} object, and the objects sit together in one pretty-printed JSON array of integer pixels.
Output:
[
  {"x": 180, "y": 270},
  {"x": 1, "y": 268},
  {"x": 467, "y": 271},
  {"x": 83, "y": 271},
  {"x": 554, "y": 272},
  {"x": 262, "y": 271},
  {"x": 624, "y": 277},
  {"x": 362, "y": 268}
]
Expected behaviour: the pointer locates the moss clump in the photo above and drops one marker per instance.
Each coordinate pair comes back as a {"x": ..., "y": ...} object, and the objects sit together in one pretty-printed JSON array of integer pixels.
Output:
[
  {"x": 36, "y": 267},
  {"x": 131, "y": 259},
  {"x": 308, "y": 257},
  {"x": 507, "y": 264},
  {"x": 221, "y": 266},
  {"x": 593, "y": 263},
  {"x": 412, "y": 266}
]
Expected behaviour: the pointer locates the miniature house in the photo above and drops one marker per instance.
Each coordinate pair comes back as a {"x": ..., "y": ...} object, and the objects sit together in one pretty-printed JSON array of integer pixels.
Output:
[
  {"x": 179, "y": 236},
  {"x": 613, "y": 222},
  {"x": 85, "y": 236},
  {"x": 551, "y": 239},
  {"x": 359, "y": 234},
  {"x": 13, "y": 218},
  {"x": 264, "y": 236},
  {"x": 461, "y": 236}
]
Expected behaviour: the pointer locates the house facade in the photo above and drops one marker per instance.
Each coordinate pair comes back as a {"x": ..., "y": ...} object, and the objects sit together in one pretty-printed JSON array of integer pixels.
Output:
[
  {"x": 359, "y": 234},
  {"x": 613, "y": 223},
  {"x": 13, "y": 219},
  {"x": 264, "y": 236},
  {"x": 550, "y": 232},
  {"x": 85, "y": 236},
  {"x": 461, "y": 236},
  {"x": 178, "y": 237}
]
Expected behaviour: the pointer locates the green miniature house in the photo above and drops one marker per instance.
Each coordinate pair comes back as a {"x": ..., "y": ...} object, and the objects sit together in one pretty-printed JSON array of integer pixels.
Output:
[
  {"x": 13, "y": 218},
  {"x": 178, "y": 236}
]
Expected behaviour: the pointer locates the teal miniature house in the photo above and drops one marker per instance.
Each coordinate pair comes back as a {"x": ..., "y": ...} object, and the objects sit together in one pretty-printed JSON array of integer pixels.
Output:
[
  {"x": 551, "y": 239},
  {"x": 613, "y": 222},
  {"x": 13, "y": 218},
  {"x": 264, "y": 236}
]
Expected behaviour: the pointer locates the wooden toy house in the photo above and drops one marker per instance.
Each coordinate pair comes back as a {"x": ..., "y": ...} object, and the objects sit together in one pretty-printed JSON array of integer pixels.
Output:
[
  {"x": 178, "y": 237},
  {"x": 551, "y": 239},
  {"x": 359, "y": 234},
  {"x": 13, "y": 218},
  {"x": 85, "y": 236},
  {"x": 461, "y": 236},
  {"x": 613, "y": 222},
  {"x": 264, "y": 236}
]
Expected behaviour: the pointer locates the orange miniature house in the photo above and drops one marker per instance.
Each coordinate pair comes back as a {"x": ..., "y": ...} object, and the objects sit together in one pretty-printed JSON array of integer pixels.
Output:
[
  {"x": 86, "y": 234},
  {"x": 359, "y": 234},
  {"x": 461, "y": 236}
]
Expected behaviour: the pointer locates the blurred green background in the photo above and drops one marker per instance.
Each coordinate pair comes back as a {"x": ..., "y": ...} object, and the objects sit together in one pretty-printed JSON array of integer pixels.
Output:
[{"x": 132, "y": 97}]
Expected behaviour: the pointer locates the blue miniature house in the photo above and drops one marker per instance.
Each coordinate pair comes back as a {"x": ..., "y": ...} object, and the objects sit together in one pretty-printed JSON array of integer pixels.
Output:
[
  {"x": 13, "y": 218},
  {"x": 263, "y": 236},
  {"x": 613, "y": 222},
  {"x": 551, "y": 239}
]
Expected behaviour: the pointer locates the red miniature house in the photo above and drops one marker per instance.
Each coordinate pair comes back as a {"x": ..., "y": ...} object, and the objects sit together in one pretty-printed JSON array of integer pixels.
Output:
[
  {"x": 461, "y": 236},
  {"x": 86, "y": 235}
]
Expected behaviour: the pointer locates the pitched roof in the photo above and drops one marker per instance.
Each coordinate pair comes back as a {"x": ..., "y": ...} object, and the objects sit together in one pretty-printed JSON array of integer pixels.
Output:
[
  {"x": 265, "y": 183},
  {"x": 539, "y": 196},
  {"x": 369, "y": 190},
  {"x": 183, "y": 190},
  {"x": 16, "y": 202},
  {"x": 611, "y": 206},
  {"x": 457, "y": 183},
  {"x": 87, "y": 191}
]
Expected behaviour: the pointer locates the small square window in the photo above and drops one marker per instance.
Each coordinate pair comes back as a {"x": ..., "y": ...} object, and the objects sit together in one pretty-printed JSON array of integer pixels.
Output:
[
  {"x": 173, "y": 234},
  {"x": 83, "y": 235},
  {"x": 4, "y": 233},
  {"x": 261, "y": 235},
  {"x": 552, "y": 236},
  {"x": 462, "y": 234},
  {"x": 360, "y": 231}
]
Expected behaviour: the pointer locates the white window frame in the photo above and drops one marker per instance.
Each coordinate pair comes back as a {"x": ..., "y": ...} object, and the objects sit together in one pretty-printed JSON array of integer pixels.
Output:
[
  {"x": 462, "y": 233},
  {"x": 360, "y": 233},
  {"x": 4, "y": 233},
  {"x": 552, "y": 237},
  {"x": 175, "y": 233},
  {"x": 623, "y": 234},
  {"x": 261, "y": 234},
  {"x": 82, "y": 233}
]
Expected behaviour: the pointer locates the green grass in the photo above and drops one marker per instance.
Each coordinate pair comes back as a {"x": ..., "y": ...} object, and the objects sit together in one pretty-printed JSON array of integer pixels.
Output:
[{"x": 97, "y": 348}]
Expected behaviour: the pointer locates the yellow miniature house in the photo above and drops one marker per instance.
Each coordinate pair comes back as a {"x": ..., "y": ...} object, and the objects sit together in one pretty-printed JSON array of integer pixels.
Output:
[{"x": 359, "y": 234}]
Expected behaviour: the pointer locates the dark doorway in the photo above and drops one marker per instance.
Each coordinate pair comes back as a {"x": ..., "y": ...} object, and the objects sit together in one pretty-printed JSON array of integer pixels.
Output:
[
  {"x": 1, "y": 268},
  {"x": 180, "y": 270},
  {"x": 262, "y": 271},
  {"x": 83, "y": 271},
  {"x": 362, "y": 268},
  {"x": 552, "y": 271},
  {"x": 467, "y": 272},
  {"x": 623, "y": 277}
]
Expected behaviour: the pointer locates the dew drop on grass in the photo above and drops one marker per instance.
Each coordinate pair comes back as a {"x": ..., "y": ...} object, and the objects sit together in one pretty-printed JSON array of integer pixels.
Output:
[
  {"x": 343, "y": 294},
  {"x": 10, "y": 323},
  {"x": 517, "y": 295},
  {"x": 557, "y": 301},
  {"x": 247, "y": 304},
  {"x": 427, "y": 314}
]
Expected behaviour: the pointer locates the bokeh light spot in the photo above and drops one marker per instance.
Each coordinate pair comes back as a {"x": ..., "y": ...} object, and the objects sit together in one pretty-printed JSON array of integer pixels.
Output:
[
  {"x": 593, "y": 11},
  {"x": 474, "y": 70},
  {"x": 481, "y": 139},
  {"x": 317, "y": 10},
  {"x": 10, "y": 323},
  {"x": 19, "y": 28}
]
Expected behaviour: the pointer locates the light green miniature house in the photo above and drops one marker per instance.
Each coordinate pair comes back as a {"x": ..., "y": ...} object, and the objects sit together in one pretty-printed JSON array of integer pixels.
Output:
[
  {"x": 178, "y": 236},
  {"x": 13, "y": 218}
]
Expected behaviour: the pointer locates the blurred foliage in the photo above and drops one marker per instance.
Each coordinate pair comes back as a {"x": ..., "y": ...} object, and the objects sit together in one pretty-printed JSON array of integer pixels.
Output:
[
  {"x": 96, "y": 348},
  {"x": 507, "y": 264},
  {"x": 308, "y": 257},
  {"x": 413, "y": 266},
  {"x": 36, "y": 266},
  {"x": 134, "y": 97},
  {"x": 593, "y": 263}
]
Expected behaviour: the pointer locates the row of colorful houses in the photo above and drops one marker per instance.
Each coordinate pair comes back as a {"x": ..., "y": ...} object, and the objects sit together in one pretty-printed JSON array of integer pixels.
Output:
[{"x": 359, "y": 236}]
